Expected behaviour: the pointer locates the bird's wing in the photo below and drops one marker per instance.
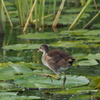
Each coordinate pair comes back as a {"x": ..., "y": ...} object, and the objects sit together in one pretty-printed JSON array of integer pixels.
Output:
[
  {"x": 54, "y": 54},
  {"x": 59, "y": 54}
]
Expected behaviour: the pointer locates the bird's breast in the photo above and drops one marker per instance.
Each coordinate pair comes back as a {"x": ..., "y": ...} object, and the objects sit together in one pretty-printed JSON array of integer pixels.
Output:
[{"x": 44, "y": 59}]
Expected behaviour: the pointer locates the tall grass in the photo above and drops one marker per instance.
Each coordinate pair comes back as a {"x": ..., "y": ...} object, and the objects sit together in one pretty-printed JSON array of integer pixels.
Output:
[
  {"x": 2, "y": 15},
  {"x": 33, "y": 12},
  {"x": 23, "y": 7},
  {"x": 79, "y": 15},
  {"x": 3, "y": 8}
]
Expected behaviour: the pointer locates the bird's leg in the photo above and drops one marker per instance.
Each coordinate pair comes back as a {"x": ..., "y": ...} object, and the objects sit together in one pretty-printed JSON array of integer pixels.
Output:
[
  {"x": 51, "y": 79},
  {"x": 51, "y": 76},
  {"x": 64, "y": 80},
  {"x": 57, "y": 78}
]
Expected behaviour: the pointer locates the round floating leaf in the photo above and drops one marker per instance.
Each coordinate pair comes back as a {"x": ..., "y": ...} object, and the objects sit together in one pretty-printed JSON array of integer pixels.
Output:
[
  {"x": 20, "y": 69},
  {"x": 87, "y": 62},
  {"x": 68, "y": 44},
  {"x": 25, "y": 77},
  {"x": 21, "y": 65},
  {"x": 5, "y": 85},
  {"x": 36, "y": 81},
  {"x": 2, "y": 65},
  {"x": 95, "y": 83},
  {"x": 73, "y": 10},
  {"x": 79, "y": 56},
  {"x": 14, "y": 96},
  {"x": 76, "y": 90},
  {"x": 14, "y": 71},
  {"x": 98, "y": 86},
  {"x": 63, "y": 44},
  {"x": 93, "y": 32},
  {"x": 88, "y": 37},
  {"x": 74, "y": 32},
  {"x": 21, "y": 47},
  {"x": 70, "y": 18},
  {"x": 7, "y": 73},
  {"x": 96, "y": 26},
  {"x": 40, "y": 36},
  {"x": 93, "y": 56}
]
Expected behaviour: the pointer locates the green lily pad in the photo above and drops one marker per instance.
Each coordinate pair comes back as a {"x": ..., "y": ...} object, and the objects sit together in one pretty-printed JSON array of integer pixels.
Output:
[
  {"x": 87, "y": 63},
  {"x": 89, "y": 37},
  {"x": 95, "y": 82},
  {"x": 34, "y": 81},
  {"x": 14, "y": 96},
  {"x": 74, "y": 32},
  {"x": 70, "y": 18},
  {"x": 96, "y": 26},
  {"x": 20, "y": 69},
  {"x": 93, "y": 32},
  {"x": 73, "y": 10},
  {"x": 93, "y": 56},
  {"x": 76, "y": 90},
  {"x": 21, "y": 47},
  {"x": 79, "y": 56},
  {"x": 25, "y": 77},
  {"x": 63, "y": 44},
  {"x": 93, "y": 41},
  {"x": 41, "y": 36},
  {"x": 14, "y": 71},
  {"x": 5, "y": 85},
  {"x": 68, "y": 44},
  {"x": 30, "y": 65},
  {"x": 2, "y": 65}
]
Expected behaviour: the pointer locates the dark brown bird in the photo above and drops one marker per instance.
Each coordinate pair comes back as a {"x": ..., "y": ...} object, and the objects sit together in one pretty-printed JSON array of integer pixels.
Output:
[{"x": 56, "y": 60}]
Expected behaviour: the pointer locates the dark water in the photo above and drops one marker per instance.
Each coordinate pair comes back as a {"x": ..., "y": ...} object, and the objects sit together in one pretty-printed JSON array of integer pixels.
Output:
[{"x": 10, "y": 37}]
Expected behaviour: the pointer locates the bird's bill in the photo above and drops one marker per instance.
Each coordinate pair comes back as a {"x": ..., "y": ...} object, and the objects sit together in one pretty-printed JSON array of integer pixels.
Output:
[{"x": 38, "y": 50}]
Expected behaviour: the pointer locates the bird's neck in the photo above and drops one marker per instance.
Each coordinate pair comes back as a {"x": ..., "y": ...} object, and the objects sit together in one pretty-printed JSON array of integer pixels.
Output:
[{"x": 44, "y": 52}]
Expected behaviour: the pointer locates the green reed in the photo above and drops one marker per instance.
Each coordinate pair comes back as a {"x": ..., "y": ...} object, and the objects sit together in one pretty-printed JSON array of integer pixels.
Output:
[
  {"x": 2, "y": 15},
  {"x": 30, "y": 13},
  {"x": 80, "y": 14}
]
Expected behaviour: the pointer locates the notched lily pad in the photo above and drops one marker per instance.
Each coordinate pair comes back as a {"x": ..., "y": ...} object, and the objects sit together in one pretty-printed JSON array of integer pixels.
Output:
[
  {"x": 93, "y": 32},
  {"x": 74, "y": 32},
  {"x": 34, "y": 81},
  {"x": 40, "y": 36},
  {"x": 79, "y": 56},
  {"x": 19, "y": 47},
  {"x": 95, "y": 82},
  {"x": 68, "y": 44},
  {"x": 87, "y": 62},
  {"x": 94, "y": 56},
  {"x": 76, "y": 90},
  {"x": 14, "y": 96},
  {"x": 14, "y": 71},
  {"x": 88, "y": 37}
]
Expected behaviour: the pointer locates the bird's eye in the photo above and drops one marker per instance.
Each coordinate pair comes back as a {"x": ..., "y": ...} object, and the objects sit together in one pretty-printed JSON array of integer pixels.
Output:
[{"x": 41, "y": 48}]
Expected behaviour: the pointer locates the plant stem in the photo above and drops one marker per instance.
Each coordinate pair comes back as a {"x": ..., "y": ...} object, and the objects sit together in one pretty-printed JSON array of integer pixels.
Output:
[
  {"x": 79, "y": 15},
  {"x": 27, "y": 22},
  {"x": 95, "y": 4},
  {"x": 58, "y": 14},
  {"x": 42, "y": 17},
  {"x": 87, "y": 25},
  {"x": 54, "y": 9},
  {"x": 7, "y": 13}
]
